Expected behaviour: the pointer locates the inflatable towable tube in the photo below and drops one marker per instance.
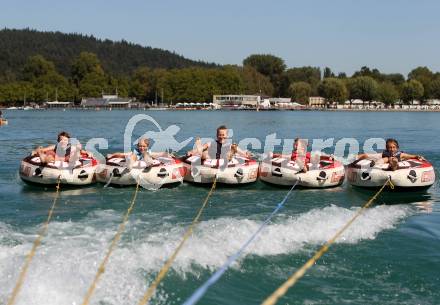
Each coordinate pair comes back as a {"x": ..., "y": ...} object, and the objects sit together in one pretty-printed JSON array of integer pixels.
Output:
[
  {"x": 81, "y": 173},
  {"x": 411, "y": 174},
  {"x": 162, "y": 171},
  {"x": 326, "y": 172},
  {"x": 237, "y": 171}
]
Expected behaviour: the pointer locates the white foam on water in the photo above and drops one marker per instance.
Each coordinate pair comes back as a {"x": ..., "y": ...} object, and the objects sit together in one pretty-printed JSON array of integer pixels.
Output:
[
  {"x": 67, "y": 261},
  {"x": 215, "y": 240}
]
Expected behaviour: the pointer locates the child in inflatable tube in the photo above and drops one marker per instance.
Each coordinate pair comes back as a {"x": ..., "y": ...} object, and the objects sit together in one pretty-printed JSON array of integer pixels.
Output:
[
  {"x": 141, "y": 152},
  {"x": 218, "y": 149},
  {"x": 62, "y": 151},
  {"x": 299, "y": 154},
  {"x": 391, "y": 155}
]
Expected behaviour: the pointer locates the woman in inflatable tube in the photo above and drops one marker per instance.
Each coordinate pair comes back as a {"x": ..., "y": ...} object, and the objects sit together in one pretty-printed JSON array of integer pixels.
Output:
[
  {"x": 150, "y": 169},
  {"x": 310, "y": 171},
  {"x": 65, "y": 161},
  {"x": 221, "y": 159},
  {"x": 406, "y": 171}
]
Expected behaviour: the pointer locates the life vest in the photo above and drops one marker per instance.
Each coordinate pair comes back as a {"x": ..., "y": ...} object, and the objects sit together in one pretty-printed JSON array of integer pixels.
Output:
[
  {"x": 66, "y": 151},
  {"x": 218, "y": 150},
  {"x": 388, "y": 154},
  {"x": 295, "y": 155}
]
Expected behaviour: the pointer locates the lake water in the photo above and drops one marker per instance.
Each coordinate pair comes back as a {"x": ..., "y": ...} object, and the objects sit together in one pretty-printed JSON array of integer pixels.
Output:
[{"x": 390, "y": 255}]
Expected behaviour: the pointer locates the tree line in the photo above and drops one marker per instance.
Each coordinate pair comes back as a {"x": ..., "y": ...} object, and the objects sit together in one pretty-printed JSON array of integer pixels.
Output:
[
  {"x": 39, "y": 81},
  {"x": 366, "y": 84},
  {"x": 45, "y": 77},
  {"x": 116, "y": 57}
]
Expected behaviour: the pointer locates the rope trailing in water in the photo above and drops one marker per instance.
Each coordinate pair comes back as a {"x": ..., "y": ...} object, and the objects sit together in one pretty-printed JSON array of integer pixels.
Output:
[
  {"x": 113, "y": 244},
  {"x": 37, "y": 242},
  {"x": 150, "y": 291},
  {"x": 281, "y": 291},
  {"x": 200, "y": 292}
]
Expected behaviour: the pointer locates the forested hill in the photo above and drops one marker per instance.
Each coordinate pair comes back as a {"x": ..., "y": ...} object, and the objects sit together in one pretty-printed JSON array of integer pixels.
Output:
[{"x": 120, "y": 58}]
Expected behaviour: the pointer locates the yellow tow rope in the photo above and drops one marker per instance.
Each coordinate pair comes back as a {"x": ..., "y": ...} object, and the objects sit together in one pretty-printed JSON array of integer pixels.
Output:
[
  {"x": 37, "y": 242},
  {"x": 281, "y": 291},
  {"x": 115, "y": 240},
  {"x": 150, "y": 291}
]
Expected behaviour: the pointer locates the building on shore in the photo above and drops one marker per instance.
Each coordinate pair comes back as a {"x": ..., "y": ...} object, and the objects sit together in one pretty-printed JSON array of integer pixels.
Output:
[
  {"x": 107, "y": 101},
  {"x": 317, "y": 102},
  {"x": 284, "y": 103},
  {"x": 58, "y": 104},
  {"x": 236, "y": 101}
]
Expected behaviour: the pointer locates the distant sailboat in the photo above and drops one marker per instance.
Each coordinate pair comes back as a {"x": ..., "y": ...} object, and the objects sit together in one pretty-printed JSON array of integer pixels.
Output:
[{"x": 24, "y": 103}]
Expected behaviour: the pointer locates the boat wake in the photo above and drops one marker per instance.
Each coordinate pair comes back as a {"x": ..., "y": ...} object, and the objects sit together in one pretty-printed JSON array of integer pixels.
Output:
[{"x": 67, "y": 261}]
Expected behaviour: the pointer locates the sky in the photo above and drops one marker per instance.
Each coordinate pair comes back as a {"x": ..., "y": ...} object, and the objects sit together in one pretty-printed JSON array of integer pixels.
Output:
[{"x": 394, "y": 36}]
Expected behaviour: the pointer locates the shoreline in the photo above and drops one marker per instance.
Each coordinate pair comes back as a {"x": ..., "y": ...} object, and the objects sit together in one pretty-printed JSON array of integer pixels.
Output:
[{"x": 247, "y": 109}]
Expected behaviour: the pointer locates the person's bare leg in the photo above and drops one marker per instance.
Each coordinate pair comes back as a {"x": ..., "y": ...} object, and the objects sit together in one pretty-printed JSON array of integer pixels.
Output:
[
  {"x": 199, "y": 146},
  {"x": 46, "y": 158}
]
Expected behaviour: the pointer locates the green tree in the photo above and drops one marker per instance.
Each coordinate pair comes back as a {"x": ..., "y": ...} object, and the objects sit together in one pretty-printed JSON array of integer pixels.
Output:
[
  {"x": 387, "y": 94},
  {"x": 412, "y": 90},
  {"x": 365, "y": 71},
  {"x": 434, "y": 88},
  {"x": 310, "y": 75},
  {"x": 266, "y": 64},
  {"x": 92, "y": 85},
  {"x": 270, "y": 66},
  {"x": 142, "y": 83},
  {"x": 16, "y": 93},
  {"x": 300, "y": 92},
  {"x": 333, "y": 90},
  {"x": 342, "y": 75},
  {"x": 425, "y": 77},
  {"x": 363, "y": 88},
  {"x": 37, "y": 66},
  {"x": 396, "y": 78},
  {"x": 255, "y": 82},
  {"x": 45, "y": 81},
  {"x": 328, "y": 72},
  {"x": 86, "y": 63}
]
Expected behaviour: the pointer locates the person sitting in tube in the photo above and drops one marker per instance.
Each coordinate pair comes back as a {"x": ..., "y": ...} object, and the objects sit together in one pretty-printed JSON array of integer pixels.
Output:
[
  {"x": 219, "y": 148},
  {"x": 2, "y": 120},
  {"x": 298, "y": 147},
  {"x": 141, "y": 152},
  {"x": 60, "y": 151},
  {"x": 391, "y": 155}
]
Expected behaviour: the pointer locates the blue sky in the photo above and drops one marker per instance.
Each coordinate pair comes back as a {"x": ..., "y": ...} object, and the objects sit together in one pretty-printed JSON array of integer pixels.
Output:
[{"x": 391, "y": 35}]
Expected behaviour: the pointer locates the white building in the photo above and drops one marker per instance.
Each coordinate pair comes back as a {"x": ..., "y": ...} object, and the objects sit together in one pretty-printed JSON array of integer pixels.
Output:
[
  {"x": 280, "y": 102},
  {"x": 57, "y": 104},
  {"x": 107, "y": 101},
  {"x": 316, "y": 101},
  {"x": 236, "y": 101}
]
